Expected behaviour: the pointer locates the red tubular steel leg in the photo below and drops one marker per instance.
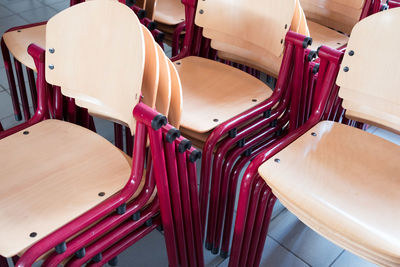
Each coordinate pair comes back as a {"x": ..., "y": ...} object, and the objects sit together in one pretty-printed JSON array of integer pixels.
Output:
[
  {"x": 160, "y": 172},
  {"x": 264, "y": 230},
  {"x": 3, "y": 262},
  {"x": 58, "y": 103},
  {"x": 186, "y": 204},
  {"x": 32, "y": 86},
  {"x": 92, "y": 127},
  {"x": 258, "y": 224},
  {"x": 250, "y": 220},
  {"x": 118, "y": 136},
  {"x": 230, "y": 204},
  {"x": 114, "y": 236},
  {"x": 22, "y": 89},
  {"x": 176, "y": 38},
  {"x": 84, "y": 117},
  {"x": 11, "y": 80},
  {"x": 176, "y": 201},
  {"x": 71, "y": 110},
  {"x": 125, "y": 243},
  {"x": 194, "y": 199}
]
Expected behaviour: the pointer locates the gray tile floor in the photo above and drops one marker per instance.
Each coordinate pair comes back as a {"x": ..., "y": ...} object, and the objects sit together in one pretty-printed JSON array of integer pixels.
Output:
[{"x": 289, "y": 242}]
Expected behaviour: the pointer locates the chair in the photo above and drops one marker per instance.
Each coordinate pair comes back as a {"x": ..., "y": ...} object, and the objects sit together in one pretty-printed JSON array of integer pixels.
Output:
[
  {"x": 67, "y": 207},
  {"x": 337, "y": 179}
]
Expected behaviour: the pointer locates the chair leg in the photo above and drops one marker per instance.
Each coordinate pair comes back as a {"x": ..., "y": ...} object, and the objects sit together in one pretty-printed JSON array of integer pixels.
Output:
[
  {"x": 11, "y": 80},
  {"x": 22, "y": 89},
  {"x": 3, "y": 262},
  {"x": 32, "y": 86},
  {"x": 118, "y": 136},
  {"x": 128, "y": 141}
]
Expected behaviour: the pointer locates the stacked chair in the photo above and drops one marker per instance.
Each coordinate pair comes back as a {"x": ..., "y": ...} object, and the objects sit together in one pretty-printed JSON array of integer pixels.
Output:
[
  {"x": 340, "y": 181},
  {"x": 71, "y": 197}
]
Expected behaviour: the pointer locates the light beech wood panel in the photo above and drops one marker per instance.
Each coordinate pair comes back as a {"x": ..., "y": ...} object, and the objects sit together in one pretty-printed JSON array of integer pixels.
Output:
[
  {"x": 18, "y": 41},
  {"x": 258, "y": 22},
  {"x": 340, "y": 15},
  {"x": 163, "y": 97},
  {"x": 151, "y": 69},
  {"x": 169, "y": 12},
  {"x": 214, "y": 92},
  {"x": 344, "y": 184},
  {"x": 176, "y": 106},
  {"x": 373, "y": 77},
  {"x": 105, "y": 72},
  {"x": 51, "y": 176},
  {"x": 322, "y": 35}
]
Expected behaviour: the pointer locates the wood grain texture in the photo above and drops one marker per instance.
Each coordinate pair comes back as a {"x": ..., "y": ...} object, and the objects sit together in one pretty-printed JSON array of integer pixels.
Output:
[
  {"x": 51, "y": 176},
  {"x": 371, "y": 84},
  {"x": 259, "y": 22},
  {"x": 89, "y": 65},
  {"x": 18, "y": 41},
  {"x": 176, "y": 105},
  {"x": 340, "y": 15},
  {"x": 163, "y": 98},
  {"x": 344, "y": 184},
  {"x": 214, "y": 92},
  {"x": 169, "y": 12}
]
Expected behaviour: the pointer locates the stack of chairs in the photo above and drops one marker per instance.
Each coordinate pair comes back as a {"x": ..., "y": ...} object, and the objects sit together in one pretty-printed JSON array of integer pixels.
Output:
[
  {"x": 71, "y": 197},
  {"x": 327, "y": 173},
  {"x": 15, "y": 42}
]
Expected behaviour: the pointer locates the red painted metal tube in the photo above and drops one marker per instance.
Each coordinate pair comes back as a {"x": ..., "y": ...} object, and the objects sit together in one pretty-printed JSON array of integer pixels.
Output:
[
  {"x": 258, "y": 224},
  {"x": 230, "y": 205},
  {"x": 176, "y": 38},
  {"x": 240, "y": 119},
  {"x": 264, "y": 230},
  {"x": 108, "y": 223},
  {"x": 250, "y": 220},
  {"x": 128, "y": 141},
  {"x": 125, "y": 243},
  {"x": 22, "y": 89},
  {"x": 32, "y": 86},
  {"x": 118, "y": 136},
  {"x": 11, "y": 80},
  {"x": 186, "y": 206},
  {"x": 3, "y": 262},
  {"x": 172, "y": 169},
  {"x": 115, "y": 235},
  {"x": 324, "y": 86},
  {"x": 160, "y": 172},
  {"x": 71, "y": 110},
  {"x": 38, "y": 55},
  {"x": 58, "y": 103}
]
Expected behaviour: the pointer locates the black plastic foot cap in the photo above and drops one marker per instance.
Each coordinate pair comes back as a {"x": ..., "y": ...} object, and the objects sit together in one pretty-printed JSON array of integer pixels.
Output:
[
  {"x": 208, "y": 246},
  {"x": 224, "y": 254},
  {"x": 113, "y": 262},
  {"x": 215, "y": 251}
]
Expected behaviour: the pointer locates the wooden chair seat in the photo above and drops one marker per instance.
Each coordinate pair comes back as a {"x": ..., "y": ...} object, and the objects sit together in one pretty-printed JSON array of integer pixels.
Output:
[
  {"x": 214, "y": 92},
  {"x": 322, "y": 35},
  {"x": 344, "y": 183},
  {"x": 169, "y": 12},
  {"x": 65, "y": 168},
  {"x": 18, "y": 41}
]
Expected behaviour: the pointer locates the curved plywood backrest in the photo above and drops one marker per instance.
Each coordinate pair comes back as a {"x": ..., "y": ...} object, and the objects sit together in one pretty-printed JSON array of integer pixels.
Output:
[
  {"x": 164, "y": 86},
  {"x": 340, "y": 15},
  {"x": 369, "y": 77},
  {"x": 176, "y": 106},
  {"x": 263, "y": 23},
  {"x": 96, "y": 50},
  {"x": 151, "y": 70}
]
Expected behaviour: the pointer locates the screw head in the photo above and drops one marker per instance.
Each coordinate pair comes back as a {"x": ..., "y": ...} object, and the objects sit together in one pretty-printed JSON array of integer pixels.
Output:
[
  {"x": 215, "y": 120},
  {"x": 52, "y": 50},
  {"x": 351, "y": 53},
  {"x": 313, "y": 134},
  {"x": 51, "y": 66},
  {"x": 346, "y": 69},
  {"x": 201, "y": 11},
  {"x": 25, "y": 132},
  {"x": 281, "y": 41},
  {"x": 178, "y": 63},
  {"x": 285, "y": 26},
  {"x": 277, "y": 160},
  {"x": 254, "y": 100},
  {"x": 33, "y": 234},
  {"x": 102, "y": 194}
]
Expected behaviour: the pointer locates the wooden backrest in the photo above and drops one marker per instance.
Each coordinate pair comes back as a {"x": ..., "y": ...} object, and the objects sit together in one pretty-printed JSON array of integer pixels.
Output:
[
  {"x": 262, "y": 23},
  {"x": 164, "y": 86},
  {"x": 370, "y": 75},
  {"x": 176, "y": 106},
  {"x": 151, "y": 69},
  {"x": 340, "y": 15},
  {"x": 96, "y": 50}
]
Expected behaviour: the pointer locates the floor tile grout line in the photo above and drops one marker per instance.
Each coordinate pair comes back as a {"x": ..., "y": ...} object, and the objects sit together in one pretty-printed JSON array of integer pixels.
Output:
[
  {"x": 291, "y": 252},
  {"x": 340, "y": 254}
]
